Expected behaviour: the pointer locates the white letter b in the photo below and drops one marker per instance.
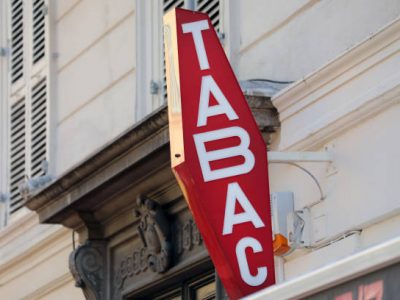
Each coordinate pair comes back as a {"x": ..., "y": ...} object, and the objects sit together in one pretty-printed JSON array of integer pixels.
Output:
[{"x": 205, "y": 157}]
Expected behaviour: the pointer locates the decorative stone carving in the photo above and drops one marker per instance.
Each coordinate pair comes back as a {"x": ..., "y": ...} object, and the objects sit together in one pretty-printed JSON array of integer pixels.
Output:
[
  {"x": 154, "y": 231},
  {"x": 88, "y": 265},
  {"x": 187, "y": 237},
  {"x": 131, "y": 265},
  {"x": 157, "y": 251},
  {"x": 196, "y": 240}
]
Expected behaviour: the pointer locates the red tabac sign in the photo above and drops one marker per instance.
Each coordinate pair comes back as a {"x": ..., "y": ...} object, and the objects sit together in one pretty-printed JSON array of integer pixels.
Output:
[{"x": 218, "y": 154}]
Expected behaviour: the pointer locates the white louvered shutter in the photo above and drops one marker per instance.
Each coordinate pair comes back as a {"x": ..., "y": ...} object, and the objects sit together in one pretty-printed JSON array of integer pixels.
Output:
[
  {"x": 28, "y": 97},
  {"x": 38, "y": 92},
  {"x": 38, "y": 151},
  {"x": 210, "y": 7},
  {"x": 17, "y": 152},
  {"x": 168, "y": 5},
  {"x": 38, "y": 30},
  {"x": 17, "y": 40}
]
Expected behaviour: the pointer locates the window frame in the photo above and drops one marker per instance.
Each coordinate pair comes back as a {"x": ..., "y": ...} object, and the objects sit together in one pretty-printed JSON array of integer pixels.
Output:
[
  {"x": 4, "y": 86},
  {"x": 150, "y": 88},
  {"x": 33, "y": 73},
  {"x": 186, "y": 290}
]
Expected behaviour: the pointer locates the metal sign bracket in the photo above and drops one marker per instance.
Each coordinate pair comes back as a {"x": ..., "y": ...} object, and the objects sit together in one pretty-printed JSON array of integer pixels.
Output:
[
  {"x": 295, "y": 157},
  {"x": 297, "y": 233}
]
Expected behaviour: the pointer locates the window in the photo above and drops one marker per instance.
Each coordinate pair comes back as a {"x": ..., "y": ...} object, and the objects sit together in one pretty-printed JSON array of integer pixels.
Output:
[
  {"x": 170, "y": 4},
  {"x": 199, "y": 288},
  {"x": 17, "y": 151},
  {"x": 17, "y": 40},
  {"x": 28, "y": 95},
  {"x": 167, "y": 6},
  {"x": 38, "y": 34},
  {"x": 150, "y": 86},
  {"x": 210, "y": 7}
]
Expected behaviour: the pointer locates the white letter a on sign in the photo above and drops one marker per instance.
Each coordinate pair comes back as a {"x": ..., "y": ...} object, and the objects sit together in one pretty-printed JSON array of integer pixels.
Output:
[
  {"x": 208, "y": 86},
  {"x": 248, "y": 215}
]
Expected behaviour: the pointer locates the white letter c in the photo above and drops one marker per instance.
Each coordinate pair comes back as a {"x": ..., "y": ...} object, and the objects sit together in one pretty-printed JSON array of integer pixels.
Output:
[{"x": 262, "y": 272}]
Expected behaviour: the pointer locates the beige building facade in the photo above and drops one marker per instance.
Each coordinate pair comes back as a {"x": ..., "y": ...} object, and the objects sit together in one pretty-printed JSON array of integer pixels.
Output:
[{"x": 82, "y": 88}]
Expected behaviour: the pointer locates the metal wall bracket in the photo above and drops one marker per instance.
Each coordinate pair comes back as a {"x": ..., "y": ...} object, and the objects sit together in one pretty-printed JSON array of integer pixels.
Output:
[
  {"x": 3, "y": 198},
  {"x": 154, "y": 87},
  {"x": 298, "y": 224},
  {"x": 4, "y": 51},
  {"x": 293, "y": 158},
  {"x": 3, "y": 210},
  {"x": 322, "y": 156}
]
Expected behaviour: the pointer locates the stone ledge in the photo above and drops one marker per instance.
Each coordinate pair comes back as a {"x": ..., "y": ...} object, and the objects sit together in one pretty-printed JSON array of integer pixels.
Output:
[{"x": 136, "y": 151}]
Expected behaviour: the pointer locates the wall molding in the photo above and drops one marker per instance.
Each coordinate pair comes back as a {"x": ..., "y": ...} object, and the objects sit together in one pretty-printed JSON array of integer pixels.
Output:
[
  {"x": 16, "y": 228},
  {"x": 359, "y": 83},
  {"x": 364, "y": 262},
  {"x": 47, "y": 244},
  {"x": 50, "y": 287}
]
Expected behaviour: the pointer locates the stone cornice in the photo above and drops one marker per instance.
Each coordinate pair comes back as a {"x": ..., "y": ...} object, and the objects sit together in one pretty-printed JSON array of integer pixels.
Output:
[
  {"x": 133, "y": 137},
  {"x": 51, "y": 242},
  {"x": 47, "y": 289},
  {"x": 130, "y": 158},
  {"x": 356, "y": 85},
  {"x": 351, "y": 61}
]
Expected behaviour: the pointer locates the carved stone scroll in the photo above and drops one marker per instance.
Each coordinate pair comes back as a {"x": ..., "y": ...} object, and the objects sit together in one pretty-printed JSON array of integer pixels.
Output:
[
  {"x": 154, "y": 231},
  {"x": 88, "y": 265}
]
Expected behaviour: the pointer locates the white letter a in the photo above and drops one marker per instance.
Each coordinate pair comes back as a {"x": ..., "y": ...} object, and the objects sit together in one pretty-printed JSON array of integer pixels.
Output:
[
  {"x": 208, "y": 86},
  {"x": 248, "y": 215}
]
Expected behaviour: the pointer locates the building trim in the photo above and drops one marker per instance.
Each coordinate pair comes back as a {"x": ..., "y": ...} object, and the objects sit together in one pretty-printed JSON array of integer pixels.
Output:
[
  {"x": 277, "y": 27},
  {"x": 342, "y": 93},
  {"x": 364, "y": 262},
  {"x": 140, "y": 132},
  {"x": 57, "y": 283},
  {"x": 94, "y": 42},
  {"x": 17, "y": 228},
  {"x": 145, "y": 143},
  {"x": 338, "y": 66},
  {"x": 51, "y": 242}
]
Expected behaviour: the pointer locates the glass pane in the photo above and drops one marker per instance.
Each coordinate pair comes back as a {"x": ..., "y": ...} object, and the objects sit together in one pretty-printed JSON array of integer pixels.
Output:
[
  {"x": 206, "y": 292},
  {"x": 174, "y": 295}
]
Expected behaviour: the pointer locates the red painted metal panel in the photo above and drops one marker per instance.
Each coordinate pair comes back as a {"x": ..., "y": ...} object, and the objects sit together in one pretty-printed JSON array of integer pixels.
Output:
[{"x": 218, "y": 155}]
